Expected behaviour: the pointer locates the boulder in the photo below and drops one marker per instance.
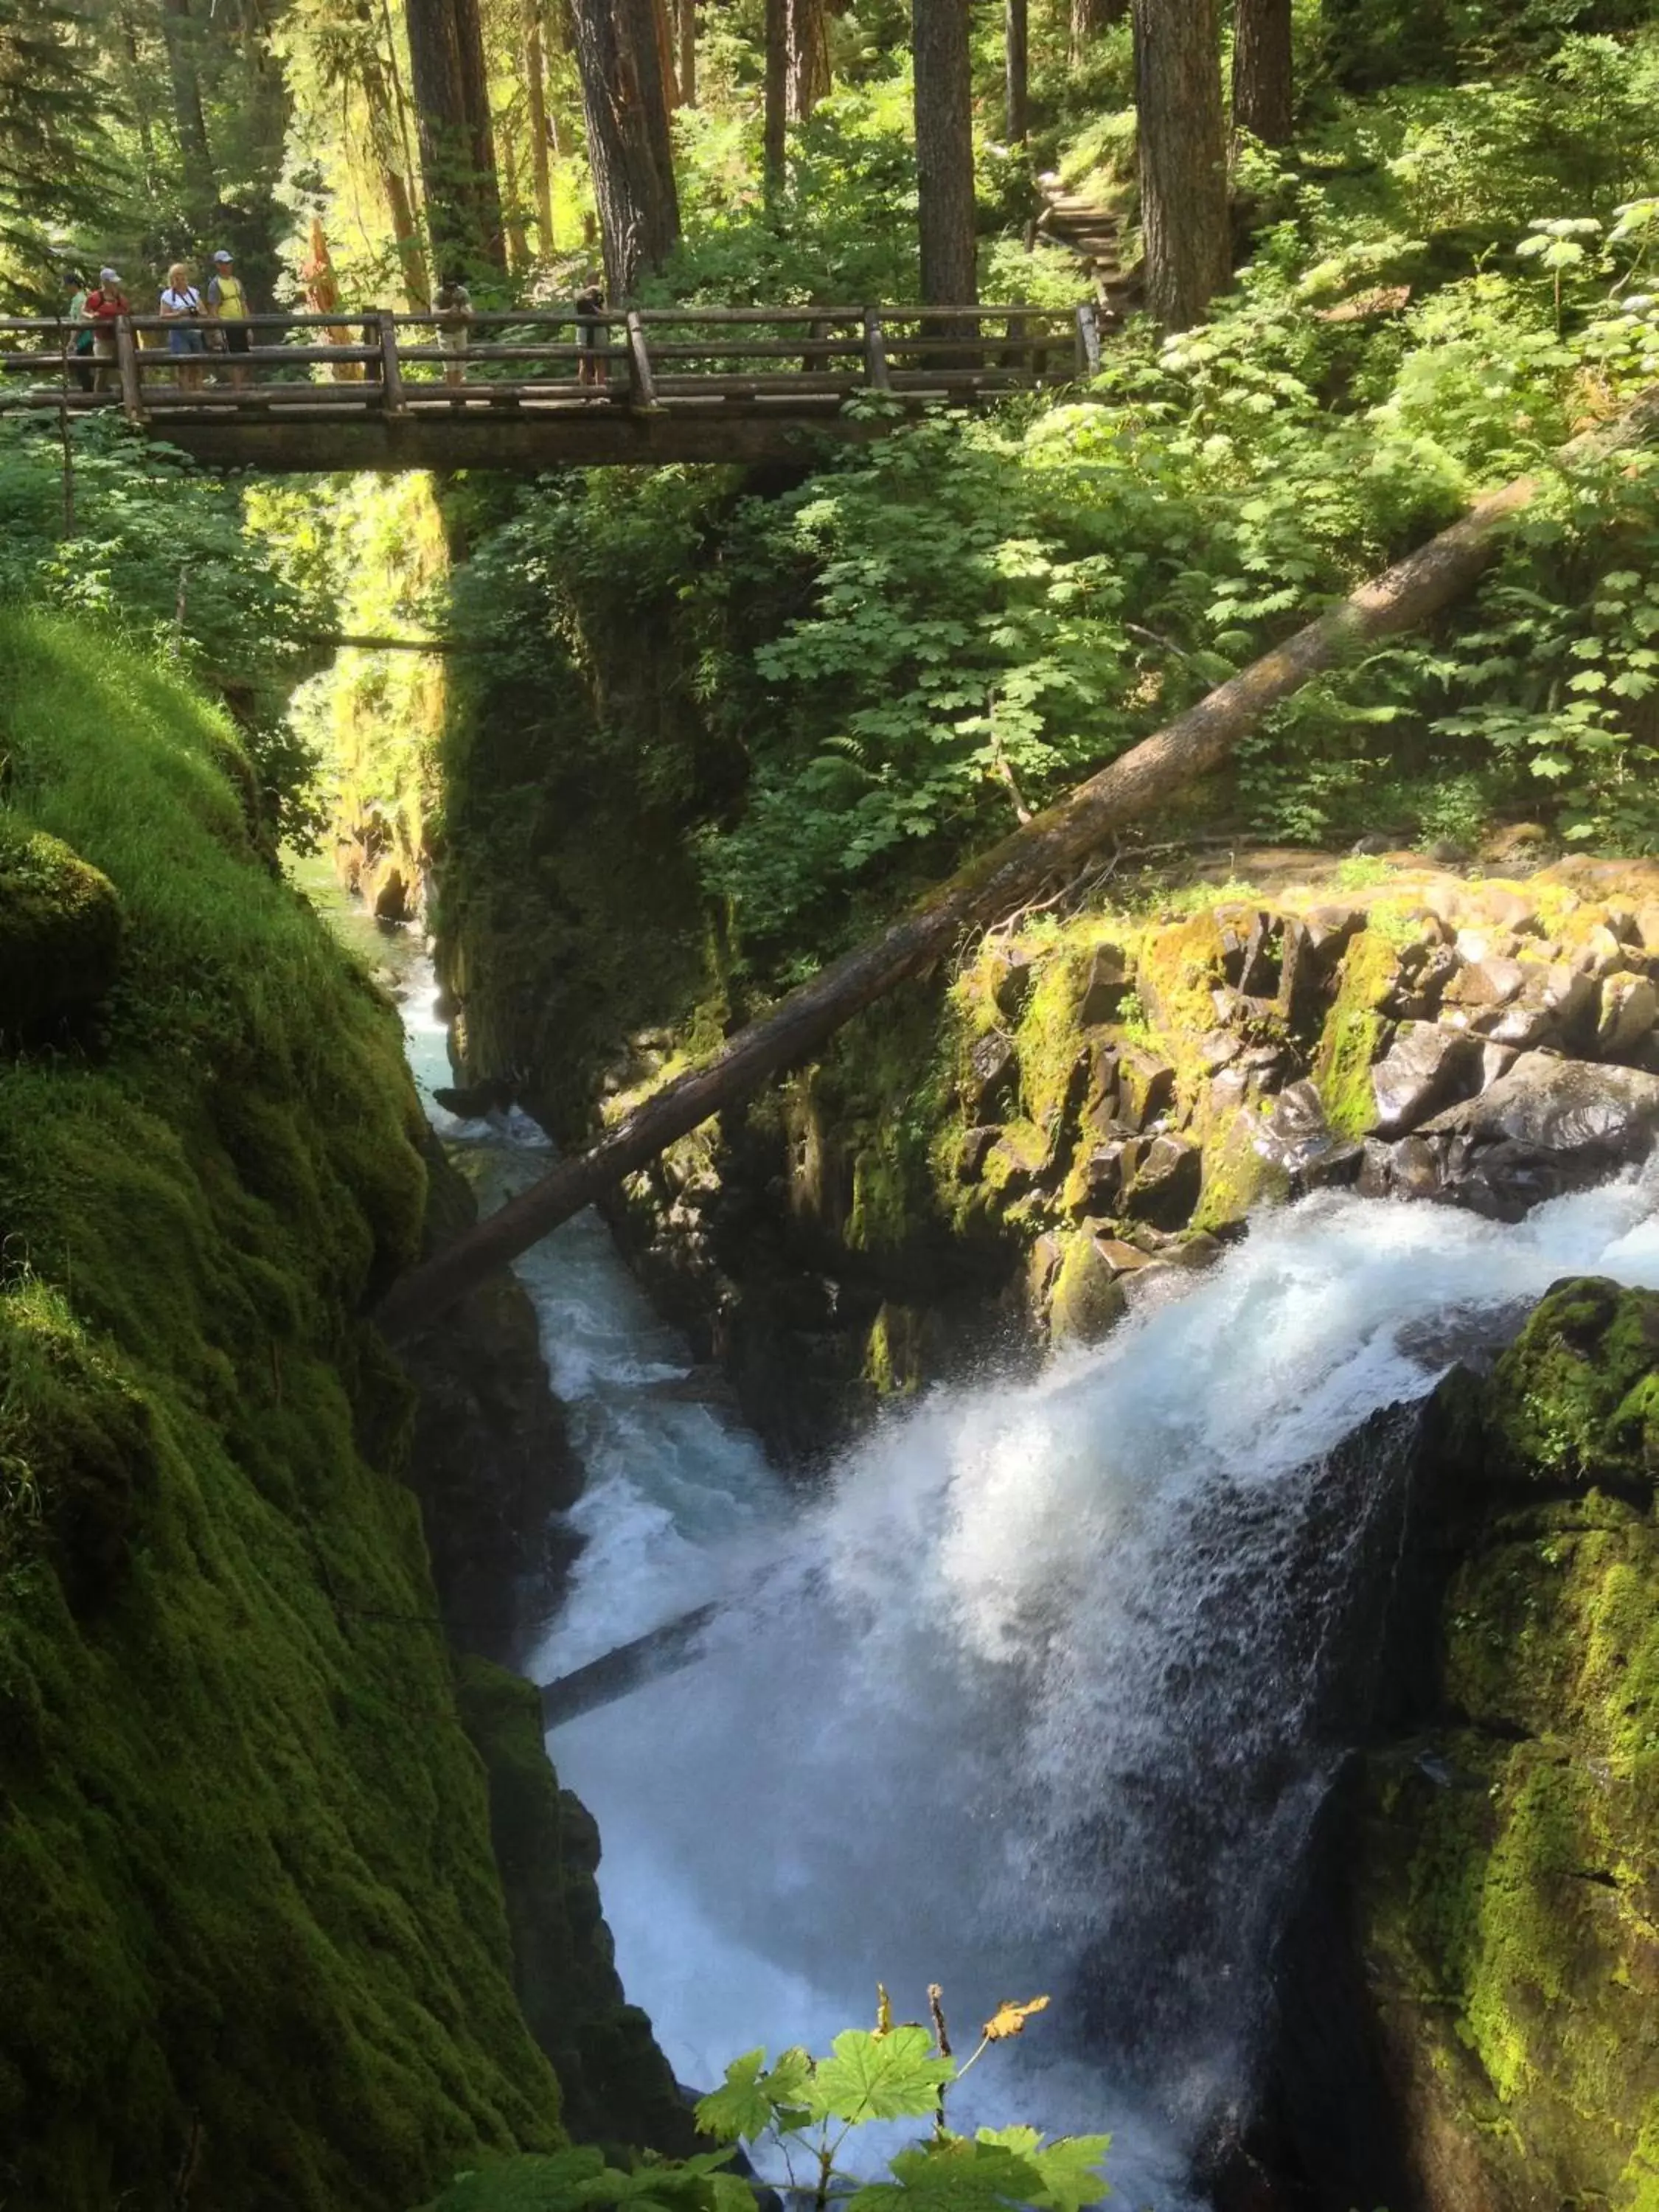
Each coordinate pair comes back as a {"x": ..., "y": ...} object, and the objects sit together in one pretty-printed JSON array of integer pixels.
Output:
[
  {"x": 1425, "y": 972},
  {"x": 1490, "y": 981},
  {"x": 1547, "y": 1127},
  {"x": 1164, "y": 1185},
  {"x": 1145, "y": 1086},
  {"x": 1096, "y": 1183},
  {"x": 1629, "y": 1007},
  {"x": 1122, "y": 1259},
  {"x": 1100, "y": 1092},
  {"x": 992, "y": 1082},
  {"x": 1106, "y": 983},
  {"x": 1297, "y": 1137},
  {"x": 974, "y": 1149},
  {"x": 1087, "y": 1298},
  {"x": 1328, "y": 929},
  {"x": 1012, "y": 976},
  {"x": 1425, "y": 1068},
  {"x": 1553, "y": 1003}
]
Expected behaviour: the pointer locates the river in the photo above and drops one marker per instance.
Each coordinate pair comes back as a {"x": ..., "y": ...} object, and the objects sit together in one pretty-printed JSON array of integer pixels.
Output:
[{"x": 1027, "y": 1699}]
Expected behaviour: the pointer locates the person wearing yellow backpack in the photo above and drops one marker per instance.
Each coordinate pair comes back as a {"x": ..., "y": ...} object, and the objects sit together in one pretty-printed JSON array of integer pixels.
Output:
[{"x": 228, "y": 304}]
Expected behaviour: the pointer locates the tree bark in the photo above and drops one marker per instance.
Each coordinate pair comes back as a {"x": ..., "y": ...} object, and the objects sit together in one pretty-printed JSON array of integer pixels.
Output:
[
  {"x": 687, "y": 25},
  {"x": 666, "y": 51},
  {"x": 945, "y": 152},
  {"x": 1017, "y": 70},
  {"x": 774, "y": 132},
  {"x": 1263, "y": 71},
  {"x": 628, "y": 142},
  {"x": 1183, "y": 156},
  {"x": 458, "y": 148},
  {"x": 1089, "y": 16},
  {"x": 1007, "y": 876},
  {"x": 535, "y": 81},
  {"x": 809, "y": 56}
]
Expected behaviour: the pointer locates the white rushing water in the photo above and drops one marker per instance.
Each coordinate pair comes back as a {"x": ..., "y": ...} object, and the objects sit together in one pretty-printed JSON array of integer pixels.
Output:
[{"x": 1027, "y": 1698}]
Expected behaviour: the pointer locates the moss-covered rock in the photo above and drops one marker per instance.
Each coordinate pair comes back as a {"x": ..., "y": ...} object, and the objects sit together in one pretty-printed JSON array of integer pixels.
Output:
[
  {"x": 60, "y": 934},
  {"x": 1497, "y": 1875},
  {"x": 618, "y": 2087},
  {"x": 254, "y": 1950},
  {"x": 1355, "y": 1032}
]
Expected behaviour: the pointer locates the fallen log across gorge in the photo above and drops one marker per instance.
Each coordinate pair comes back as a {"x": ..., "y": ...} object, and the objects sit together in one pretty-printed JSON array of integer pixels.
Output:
[{"x": 1065, "y": 833}]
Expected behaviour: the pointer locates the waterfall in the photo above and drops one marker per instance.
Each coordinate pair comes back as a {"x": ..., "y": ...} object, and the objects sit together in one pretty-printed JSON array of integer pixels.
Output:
[{"x": 1028, "y": 1697}]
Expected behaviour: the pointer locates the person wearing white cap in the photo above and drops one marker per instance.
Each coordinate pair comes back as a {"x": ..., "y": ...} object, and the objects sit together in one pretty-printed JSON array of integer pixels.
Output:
[
  {"x": 104, "y": 309},
  {"x": 228, "y": 304}
]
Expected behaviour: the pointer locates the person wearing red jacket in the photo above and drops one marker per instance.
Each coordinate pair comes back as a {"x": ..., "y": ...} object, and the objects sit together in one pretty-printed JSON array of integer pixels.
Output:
[{"x": 104, "y": 309}]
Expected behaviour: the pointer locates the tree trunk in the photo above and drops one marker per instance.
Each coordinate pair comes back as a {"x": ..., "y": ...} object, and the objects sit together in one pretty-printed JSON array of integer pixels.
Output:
[
  {"x": 687, "y": 13},
  {"x": 1089, "y": 16},
  {"x": 666, "y": 51},
  {"x": 629, "y": 143},
  {"x": 1183, "y": 157},
  {"x": 1263, "y": 72},
  {"x": 200, "y": 195},
  {"x": 512, "y": 208},
  {"x": 809, "y": 56},
  {"x": 405, "y": 232},
  {"x": 775, "y": 123},
  {"x": 458, "y": 149},
  {"x": 1017, "y": 47},
  {"x": 945, "y": 152},
  {"x": 535, "y": 80},
  {"x": 1054, "y": 842}
]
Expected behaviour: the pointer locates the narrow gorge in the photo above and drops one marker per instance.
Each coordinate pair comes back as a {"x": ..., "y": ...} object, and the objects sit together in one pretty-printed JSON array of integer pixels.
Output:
[{"x": 829, "y": 1106}]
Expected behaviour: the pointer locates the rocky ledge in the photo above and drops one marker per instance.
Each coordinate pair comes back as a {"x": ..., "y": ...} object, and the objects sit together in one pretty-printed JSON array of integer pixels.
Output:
[{"x": 1028, "y": 1147}]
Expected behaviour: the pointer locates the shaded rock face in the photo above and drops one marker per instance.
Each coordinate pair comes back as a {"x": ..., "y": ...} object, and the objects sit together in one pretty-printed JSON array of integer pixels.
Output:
[
  {"x": 1467, "y": 1994},
  {"x": 489, "y": 1457}
]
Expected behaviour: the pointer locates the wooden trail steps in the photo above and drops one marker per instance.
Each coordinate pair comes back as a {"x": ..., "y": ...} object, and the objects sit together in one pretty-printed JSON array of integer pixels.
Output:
[
  {"x": 1050, "y": 847},
  {"x": 1094, "y": 233},
  {"x": 531, "y": 389}
]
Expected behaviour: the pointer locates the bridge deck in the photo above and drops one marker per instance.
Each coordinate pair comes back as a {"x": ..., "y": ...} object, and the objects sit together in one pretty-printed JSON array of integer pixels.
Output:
[{"x": 537, "y": 389}]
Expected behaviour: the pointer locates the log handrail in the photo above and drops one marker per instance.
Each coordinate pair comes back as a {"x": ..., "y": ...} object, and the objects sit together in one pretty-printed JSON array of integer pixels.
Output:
[{"x": 373, "y": 366}]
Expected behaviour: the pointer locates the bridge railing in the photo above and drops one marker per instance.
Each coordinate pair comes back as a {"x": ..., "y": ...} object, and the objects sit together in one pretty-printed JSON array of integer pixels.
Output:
[{"x": 377, "y": 361}]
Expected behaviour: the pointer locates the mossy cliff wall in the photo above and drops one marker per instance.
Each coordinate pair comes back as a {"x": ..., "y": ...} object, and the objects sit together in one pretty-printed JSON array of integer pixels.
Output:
[
  {"x": 253, "y": 1949},
  {"x": 1471, "y": 1996}
]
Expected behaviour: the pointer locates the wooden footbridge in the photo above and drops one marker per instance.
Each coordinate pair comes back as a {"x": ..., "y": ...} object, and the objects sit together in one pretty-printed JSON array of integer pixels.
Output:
[{"x": 532, "y": 389}]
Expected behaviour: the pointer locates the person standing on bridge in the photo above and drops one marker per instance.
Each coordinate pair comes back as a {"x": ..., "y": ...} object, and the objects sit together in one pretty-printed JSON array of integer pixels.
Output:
[
  {"x": 181, "y": 307},
  {"x": 78, "y": 348},
  {"x": 452, "y": 303},
  {"x": 592, "y": 333},
  {"x": 104, "y": 309},
  {"x": 227, "y": 304}
]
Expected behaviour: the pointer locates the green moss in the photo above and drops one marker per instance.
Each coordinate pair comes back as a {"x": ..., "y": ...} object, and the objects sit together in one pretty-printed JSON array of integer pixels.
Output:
[
  {"x": 616, "y": 2085},
  {"x": 60, "y": 933},
  {"x": 1354, "y": 1034},
  {"x": 253, "y": 1927},
  {"x": 1578, "y": 1399},
  {"x": 1238, "y": 1175},
  {"x": 1086, "y": 1299},
  {"x": 1179, "y": 966},
  {"x": 1509, "y": 1913}
]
